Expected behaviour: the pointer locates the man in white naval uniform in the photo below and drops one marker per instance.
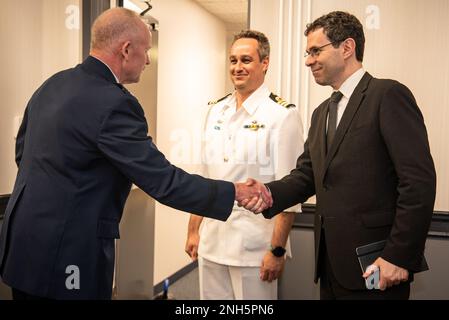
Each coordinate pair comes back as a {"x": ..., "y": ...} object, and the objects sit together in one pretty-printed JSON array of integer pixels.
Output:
[{"x": 249, "y": 133}]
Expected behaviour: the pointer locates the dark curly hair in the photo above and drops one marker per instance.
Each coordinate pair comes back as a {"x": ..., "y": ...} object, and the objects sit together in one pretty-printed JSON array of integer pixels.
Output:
[
  {"x": 339, "y": 26},
  {"x": 264, "y": 45}
]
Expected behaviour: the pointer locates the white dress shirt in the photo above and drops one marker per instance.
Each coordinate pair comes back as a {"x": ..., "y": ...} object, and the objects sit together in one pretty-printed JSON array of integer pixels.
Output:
[
  {"x": 261, "y": 140},
  {"x": 347, "y": 88}
]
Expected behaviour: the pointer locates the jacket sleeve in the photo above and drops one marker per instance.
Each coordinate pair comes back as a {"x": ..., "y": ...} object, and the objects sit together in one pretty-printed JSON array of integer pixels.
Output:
[
  {"x": 404, "y": 133},
  {"x": 124, "y": 140}
]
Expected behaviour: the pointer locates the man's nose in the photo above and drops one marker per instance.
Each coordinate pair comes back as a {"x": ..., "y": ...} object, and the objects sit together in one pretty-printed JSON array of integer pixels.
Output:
[
  {"x": 148, "y": 60},
  {"x": 310, "y": 60},
  {"x": 238, "y": 66}
]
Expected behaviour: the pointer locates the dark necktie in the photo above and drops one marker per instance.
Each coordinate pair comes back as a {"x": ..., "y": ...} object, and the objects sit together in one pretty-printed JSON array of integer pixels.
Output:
[{"x": 332, "y": 121}]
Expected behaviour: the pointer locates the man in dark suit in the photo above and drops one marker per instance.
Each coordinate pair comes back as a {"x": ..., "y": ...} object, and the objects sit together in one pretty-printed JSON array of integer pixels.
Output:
[
  {"x": 83, "y": 141},
  {"x": 367, "y": 160}
]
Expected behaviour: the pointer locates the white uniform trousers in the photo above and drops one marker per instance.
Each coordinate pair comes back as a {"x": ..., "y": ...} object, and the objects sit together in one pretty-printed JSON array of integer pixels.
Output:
[{"x": 223, "y": 282}]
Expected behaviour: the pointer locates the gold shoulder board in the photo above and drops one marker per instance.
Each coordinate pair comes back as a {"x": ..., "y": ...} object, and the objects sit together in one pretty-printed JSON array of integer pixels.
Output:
[
  {"x": 216, "y": 101},
  {"x": 281, "y": 101}
]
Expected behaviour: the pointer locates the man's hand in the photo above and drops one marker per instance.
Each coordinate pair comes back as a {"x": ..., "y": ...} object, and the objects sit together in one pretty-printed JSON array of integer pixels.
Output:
[
  {"x": 390, "y": 274},
  {"x": 271, "y": 267},
  {"x": 193, "y": 239},
  {"x": 253, "y": 196}
]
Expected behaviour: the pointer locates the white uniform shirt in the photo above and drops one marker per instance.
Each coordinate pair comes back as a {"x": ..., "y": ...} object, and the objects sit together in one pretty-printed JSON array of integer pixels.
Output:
[{"x": 262, "y": 140}]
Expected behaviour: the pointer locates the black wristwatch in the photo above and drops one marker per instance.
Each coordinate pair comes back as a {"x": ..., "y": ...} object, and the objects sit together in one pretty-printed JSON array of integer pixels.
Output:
[{"x": 278, "y": 251}]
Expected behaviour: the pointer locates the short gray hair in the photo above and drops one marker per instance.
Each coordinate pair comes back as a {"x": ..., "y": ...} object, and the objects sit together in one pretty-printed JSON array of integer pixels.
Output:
[
  {"x": 264, "y": 45},
  {"x": 112, "y": 25}
]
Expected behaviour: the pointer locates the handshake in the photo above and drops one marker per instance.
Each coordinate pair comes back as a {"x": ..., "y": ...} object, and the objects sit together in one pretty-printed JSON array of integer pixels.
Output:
[{"x": 253, "y": 195}]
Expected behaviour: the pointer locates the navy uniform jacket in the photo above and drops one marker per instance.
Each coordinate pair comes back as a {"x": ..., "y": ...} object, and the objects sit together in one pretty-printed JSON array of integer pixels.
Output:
[
  {"x": 83, "y": 141},
  {"x": 377, "y": 181}
]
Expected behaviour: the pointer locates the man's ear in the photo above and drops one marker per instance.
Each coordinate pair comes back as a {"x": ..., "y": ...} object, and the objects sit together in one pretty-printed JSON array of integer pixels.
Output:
[
  {"x": 265, "y": 63},
  {"x": 124, "y": 49},
  {"x": 348, "y": 48}
]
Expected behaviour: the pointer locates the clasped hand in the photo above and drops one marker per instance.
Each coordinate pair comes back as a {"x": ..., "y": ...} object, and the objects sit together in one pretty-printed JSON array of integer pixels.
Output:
[
  {"x": 390, "y": 274},
  {"x": 253, "y": 195}
]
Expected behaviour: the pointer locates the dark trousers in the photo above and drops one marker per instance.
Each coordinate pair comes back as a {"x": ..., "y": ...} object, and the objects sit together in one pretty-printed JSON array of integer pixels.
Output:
[
  {"x": 330, "y": 289},
  {"x": 20, "y": 295}
]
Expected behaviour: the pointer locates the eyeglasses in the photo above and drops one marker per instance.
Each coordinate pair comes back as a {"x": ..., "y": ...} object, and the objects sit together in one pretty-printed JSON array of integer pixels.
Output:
[{"x": 315, "y": 51}]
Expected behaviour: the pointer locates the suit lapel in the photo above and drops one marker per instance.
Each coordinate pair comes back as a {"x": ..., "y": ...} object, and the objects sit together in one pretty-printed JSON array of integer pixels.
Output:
[
  {"x": 354, "y": 103},
  {"x": 322, "y": 120}
]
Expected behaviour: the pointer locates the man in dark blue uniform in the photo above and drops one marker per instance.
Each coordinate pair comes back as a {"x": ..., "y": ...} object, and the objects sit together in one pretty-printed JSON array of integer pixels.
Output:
[{"x": 82, "y": 143}]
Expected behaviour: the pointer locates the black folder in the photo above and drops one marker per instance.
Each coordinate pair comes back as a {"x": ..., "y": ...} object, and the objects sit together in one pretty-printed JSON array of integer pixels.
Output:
[{"x": 368, "y": 253}]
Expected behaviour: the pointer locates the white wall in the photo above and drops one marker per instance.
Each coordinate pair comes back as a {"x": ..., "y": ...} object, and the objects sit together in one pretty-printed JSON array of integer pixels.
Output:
[
  {"x": 280, "y": 20},
  {"x": 264, "y": 17},
  {"x": 229, "y": 39},
  {"x": 192, "y": 55},
  {"x": 35, "y": 44},
  {"x": 406, "y": 40}
]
